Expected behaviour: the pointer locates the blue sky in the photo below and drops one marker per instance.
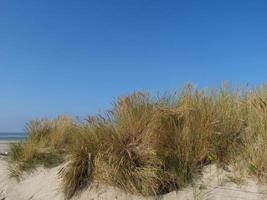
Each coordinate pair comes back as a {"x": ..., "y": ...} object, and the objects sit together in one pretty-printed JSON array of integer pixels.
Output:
[{"x": 76, "y": 57}]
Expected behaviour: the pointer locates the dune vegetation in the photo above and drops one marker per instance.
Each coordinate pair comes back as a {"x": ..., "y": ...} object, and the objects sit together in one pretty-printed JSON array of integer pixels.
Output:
[{"x": 151, "y": 145}]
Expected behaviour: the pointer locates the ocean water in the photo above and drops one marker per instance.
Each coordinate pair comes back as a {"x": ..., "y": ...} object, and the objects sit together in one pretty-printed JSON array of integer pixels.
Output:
[{"x": 12, "y": 136}]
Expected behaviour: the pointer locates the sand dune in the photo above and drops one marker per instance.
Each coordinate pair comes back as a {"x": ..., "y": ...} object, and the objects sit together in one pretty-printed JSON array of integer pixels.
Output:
[{"x": 43, "y": 184}]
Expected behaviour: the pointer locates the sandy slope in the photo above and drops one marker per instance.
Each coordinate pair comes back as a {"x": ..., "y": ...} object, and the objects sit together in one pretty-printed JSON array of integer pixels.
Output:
[{"x": 43, "y": 184}]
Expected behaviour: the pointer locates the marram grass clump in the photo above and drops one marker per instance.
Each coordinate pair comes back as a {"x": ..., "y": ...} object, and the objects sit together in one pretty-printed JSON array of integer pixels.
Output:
[
  {"x": 151, "y": 146},
  {"x": 46, "y": 144}
]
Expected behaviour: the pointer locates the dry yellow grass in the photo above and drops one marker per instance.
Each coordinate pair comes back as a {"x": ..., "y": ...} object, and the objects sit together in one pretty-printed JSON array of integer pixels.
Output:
[{"x": 152, "y": 146}]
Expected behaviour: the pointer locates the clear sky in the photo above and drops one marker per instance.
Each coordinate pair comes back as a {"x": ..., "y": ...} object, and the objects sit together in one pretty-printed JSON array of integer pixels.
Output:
[{"x": 76, "y": 57}]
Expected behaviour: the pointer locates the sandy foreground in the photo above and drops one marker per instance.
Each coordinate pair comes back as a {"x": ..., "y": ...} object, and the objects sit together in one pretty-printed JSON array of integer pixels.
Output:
[{"x": 214, "y": 184}]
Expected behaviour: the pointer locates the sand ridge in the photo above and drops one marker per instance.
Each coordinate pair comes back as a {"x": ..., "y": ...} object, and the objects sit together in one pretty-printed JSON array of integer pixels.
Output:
[{"x": 44, "y": 184}]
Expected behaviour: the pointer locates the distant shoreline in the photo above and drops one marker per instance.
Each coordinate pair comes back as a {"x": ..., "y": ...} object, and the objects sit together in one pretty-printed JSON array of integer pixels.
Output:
[{"x": 9, "y": 136}]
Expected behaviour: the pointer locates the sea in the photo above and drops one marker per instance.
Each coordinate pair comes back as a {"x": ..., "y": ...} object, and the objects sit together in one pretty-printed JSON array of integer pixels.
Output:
[{"x": 12, "y": 136}]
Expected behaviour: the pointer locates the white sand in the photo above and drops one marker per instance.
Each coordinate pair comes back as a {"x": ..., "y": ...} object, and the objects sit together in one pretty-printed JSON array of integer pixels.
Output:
[
  {"x": 43, "y": 184},
  {"x": 4, "y": 145}
]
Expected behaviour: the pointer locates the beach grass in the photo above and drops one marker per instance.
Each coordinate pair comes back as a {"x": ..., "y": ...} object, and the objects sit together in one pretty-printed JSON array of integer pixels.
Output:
[{"x": 148, "y": 146}]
